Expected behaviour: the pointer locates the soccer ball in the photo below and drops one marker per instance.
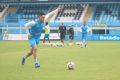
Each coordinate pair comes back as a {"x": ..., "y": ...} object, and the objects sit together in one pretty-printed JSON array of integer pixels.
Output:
[
  {"x": 54, "y": 45},
  {"x": 78, "y": 43},
  {"x": 70, "y": 65},
  {"x": 60, "y": 45}
]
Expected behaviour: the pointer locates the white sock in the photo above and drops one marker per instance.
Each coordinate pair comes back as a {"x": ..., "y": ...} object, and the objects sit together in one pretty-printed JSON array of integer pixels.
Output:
[
  {"x": 35, "y": 61},
  {"x": 83, "y": 43},
  {"x": 25, "y": 56}
]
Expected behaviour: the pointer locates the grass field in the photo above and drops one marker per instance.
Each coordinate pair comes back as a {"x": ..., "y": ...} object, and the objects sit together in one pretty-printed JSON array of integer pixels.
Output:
[{"x": 98, "y": 61}]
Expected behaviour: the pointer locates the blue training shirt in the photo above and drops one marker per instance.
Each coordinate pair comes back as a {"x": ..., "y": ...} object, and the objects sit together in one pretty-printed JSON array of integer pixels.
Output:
[
  {"x": 36, "y": 30},
  {"x": 84, "y": 28}
]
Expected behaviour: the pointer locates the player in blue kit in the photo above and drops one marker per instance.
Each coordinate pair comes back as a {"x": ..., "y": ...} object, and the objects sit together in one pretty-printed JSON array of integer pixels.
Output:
[
  {"x": 34, "y": 30},
  {"x": 84, "y": 29}
]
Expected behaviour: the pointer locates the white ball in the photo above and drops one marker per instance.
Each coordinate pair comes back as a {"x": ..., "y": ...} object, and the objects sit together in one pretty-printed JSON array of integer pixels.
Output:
[
  {"x": 60, "y": 45},
  {"x": 54, "y": 45},
  {"x": 71, "y": 65}
]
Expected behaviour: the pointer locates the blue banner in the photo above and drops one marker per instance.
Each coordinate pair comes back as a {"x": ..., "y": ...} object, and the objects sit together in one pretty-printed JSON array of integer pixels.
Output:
[
  {"x": 105, "y": 37},
  {"x": 99, "y": 37}
]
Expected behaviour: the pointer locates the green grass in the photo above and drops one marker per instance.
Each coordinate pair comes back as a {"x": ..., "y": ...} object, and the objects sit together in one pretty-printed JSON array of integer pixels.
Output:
[{"x": 99, "y": 61}]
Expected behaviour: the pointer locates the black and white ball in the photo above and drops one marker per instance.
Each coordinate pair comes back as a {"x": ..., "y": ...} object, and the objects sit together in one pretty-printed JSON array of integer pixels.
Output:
[{"x": 71, "y": 65}]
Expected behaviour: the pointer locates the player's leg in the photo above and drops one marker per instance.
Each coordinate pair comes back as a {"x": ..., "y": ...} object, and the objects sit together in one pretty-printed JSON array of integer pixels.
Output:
[
  {"x": 32, "y": 43},
  {"x": 48, "y": 38},
  {"x": 35, "y": 53},
  {"x": 29, "y": 53},
  {"x": 35, "y": 57},
  {"x": 72, "y": 38},
  {"x": 44, "y": 38},
  {"x": 83, "y": 40},
  {"x": 62, "y": 38},
  {"x": 7, "y": 37},
  {"x": 4, "y": 38}
]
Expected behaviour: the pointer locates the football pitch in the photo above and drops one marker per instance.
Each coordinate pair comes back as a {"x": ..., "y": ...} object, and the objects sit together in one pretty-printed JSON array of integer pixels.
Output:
[{"x": 100, "y": 60}]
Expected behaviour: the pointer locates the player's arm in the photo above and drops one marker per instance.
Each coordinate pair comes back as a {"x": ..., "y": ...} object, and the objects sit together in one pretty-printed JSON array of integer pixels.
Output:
[
  {"x": 89, "y": 29},
  {"x": 50, "y": 15},
  {"x": 80, "y": 29},
  {"x": 27, "y": 26}
]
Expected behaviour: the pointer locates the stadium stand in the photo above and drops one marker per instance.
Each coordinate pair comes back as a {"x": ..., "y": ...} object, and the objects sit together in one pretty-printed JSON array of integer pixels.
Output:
[
  {"x": 32, "y": 11},
  {"x": 61, "y": 0},
  {"x": 19, "y": 15},
  {"x": 28, "y": 12},
  {"x": 1, "y": 8},
  {"x": 70, "y": 12},
  {"x": 88, "y": 0},
  {"x": 107, "y": 14}
]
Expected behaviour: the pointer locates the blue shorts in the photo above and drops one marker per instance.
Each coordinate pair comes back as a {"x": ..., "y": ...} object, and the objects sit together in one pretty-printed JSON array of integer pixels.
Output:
[
  {"x": 46, "y": 36},
  {"x": 62, "y": 36},
  {"x": 34, "y": 41}
]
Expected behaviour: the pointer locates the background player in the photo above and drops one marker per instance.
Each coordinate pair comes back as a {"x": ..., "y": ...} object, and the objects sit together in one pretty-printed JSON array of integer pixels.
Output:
[
  {"x": 5, "y": 35},
  {"x": 71, "y": 34},
  {"x": 34, "y": 29},
  {"x": 62, "y": 30},
  {"x": 84, "y": 30},
  {"x": 47, "y": 33}
]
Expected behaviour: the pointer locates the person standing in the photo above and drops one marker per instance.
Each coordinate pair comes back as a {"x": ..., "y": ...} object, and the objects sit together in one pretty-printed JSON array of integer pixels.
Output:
[
  {"x": 84, "y": 29},
  {"x": 62, "y": 31},
  {"x": 71, "y": 34},
  {"x": 5, "y": 35},
  {"x": 47, "y": 33}
]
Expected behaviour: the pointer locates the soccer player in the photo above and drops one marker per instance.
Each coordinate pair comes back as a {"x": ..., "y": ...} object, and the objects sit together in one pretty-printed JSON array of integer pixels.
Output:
[
  {"x": 34, "y": 29},
  {"x": 62, "y": 30},
  {"x": 47, "y": 32},
  {"x": 84, "y": 30},
  {"x": 71, "y": 34},
  {"x": 5, "y": 35}
]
